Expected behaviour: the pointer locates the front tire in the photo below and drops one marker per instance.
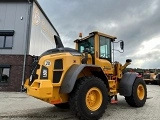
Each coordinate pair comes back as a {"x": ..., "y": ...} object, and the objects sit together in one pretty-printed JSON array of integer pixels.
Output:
[
  {"x": 89, "y": 98},
  {"x": 139, "y": 94}
]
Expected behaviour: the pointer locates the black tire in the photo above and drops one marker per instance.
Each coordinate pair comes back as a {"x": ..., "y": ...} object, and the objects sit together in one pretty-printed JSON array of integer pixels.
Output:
[
  {"x": 78, "y": 98},
  {"x": 134, "y": 100},
  {"x": 147, "y": 82},
  {"x": 62, "y": 105},
  {"x": 158, "y": 82},
  {"x": 152, "y": 82},
  {"x": 155, "y": 82}
]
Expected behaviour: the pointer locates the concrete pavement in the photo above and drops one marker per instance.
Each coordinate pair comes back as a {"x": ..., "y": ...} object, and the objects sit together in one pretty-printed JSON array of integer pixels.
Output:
[{"x": 20, "y": 106}]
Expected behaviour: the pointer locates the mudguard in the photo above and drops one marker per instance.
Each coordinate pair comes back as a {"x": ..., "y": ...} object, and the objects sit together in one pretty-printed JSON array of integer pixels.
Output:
[
  {"x": 126, "y": 83},
  {"x": 72, "y": 74}
]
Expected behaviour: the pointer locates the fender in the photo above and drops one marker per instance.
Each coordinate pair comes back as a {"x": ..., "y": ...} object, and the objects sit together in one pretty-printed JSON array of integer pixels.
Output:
[
  {"x": 126, "y": 83},
  {"x": 73, "y": 72}
]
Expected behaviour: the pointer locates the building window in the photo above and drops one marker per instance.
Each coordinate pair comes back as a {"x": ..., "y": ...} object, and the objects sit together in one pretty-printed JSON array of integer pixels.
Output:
[
  {"x": 4, "y": 73},
  {"x": 6, "y": 39}
]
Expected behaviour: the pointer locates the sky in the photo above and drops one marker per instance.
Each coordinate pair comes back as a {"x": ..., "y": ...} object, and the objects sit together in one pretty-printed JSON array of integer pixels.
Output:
[{"x": 136, "y": 22}]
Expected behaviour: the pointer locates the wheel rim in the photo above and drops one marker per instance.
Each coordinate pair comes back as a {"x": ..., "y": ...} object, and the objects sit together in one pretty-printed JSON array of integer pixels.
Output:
[
  {"x": 94, "y": 99},
  {"x": 140, "y": 91}
]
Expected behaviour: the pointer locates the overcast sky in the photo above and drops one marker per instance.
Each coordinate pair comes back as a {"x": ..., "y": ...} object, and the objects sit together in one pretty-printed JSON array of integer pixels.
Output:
[{"x": 137, "y": 22}]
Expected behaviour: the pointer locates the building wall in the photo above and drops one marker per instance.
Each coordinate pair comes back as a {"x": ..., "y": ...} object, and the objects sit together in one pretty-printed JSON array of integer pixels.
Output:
[
  {"x": 33, "y": 34},
  {"x": 42, "y": 32},
  {"x": 14, "y": 16},
  {"x": 16, "y": 71}
]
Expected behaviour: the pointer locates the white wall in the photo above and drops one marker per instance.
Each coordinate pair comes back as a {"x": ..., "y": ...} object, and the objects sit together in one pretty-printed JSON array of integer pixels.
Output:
[{"x": 42, "y": 33}]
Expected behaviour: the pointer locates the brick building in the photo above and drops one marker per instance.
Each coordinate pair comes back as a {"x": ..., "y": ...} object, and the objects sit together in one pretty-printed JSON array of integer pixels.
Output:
[{"x": 25, "y": 31}]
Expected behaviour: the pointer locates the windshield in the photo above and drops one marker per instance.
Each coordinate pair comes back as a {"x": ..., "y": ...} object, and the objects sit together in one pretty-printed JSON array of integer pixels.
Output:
[{"x": 87, "y": 43}]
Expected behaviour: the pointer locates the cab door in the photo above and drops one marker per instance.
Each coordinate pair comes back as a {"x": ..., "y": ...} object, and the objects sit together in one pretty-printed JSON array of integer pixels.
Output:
[{"x": 103, "y": 53}]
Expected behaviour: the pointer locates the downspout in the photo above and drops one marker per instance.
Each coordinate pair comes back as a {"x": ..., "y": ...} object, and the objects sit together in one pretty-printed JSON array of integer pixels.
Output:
[{"x": 26, "y": 46}]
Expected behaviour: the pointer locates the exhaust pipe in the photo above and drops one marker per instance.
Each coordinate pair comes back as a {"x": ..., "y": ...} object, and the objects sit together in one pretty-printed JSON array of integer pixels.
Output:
[{"x": 58, "y": 42}]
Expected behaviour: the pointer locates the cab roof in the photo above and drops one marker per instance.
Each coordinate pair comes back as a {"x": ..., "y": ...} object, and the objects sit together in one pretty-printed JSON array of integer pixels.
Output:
[{"x": 99, "y": 33}]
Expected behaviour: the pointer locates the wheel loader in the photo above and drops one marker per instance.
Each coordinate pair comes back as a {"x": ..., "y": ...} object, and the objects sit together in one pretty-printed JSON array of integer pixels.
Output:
[
  {"x": 85, "y": 79},
  {"x": 151, "y": 77}
]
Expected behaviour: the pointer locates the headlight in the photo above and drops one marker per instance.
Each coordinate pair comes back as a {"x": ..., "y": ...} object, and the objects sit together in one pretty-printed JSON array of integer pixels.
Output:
[{"x": 44, "y": 73}]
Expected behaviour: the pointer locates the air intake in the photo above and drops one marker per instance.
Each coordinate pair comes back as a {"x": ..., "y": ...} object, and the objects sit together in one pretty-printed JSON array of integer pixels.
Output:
[{"x": 58, "y": 70}]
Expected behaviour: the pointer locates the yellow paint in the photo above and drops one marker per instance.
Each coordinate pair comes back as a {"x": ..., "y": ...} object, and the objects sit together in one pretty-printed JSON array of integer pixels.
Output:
[
  {"x": 94, "y": 99},
  {"x": 140, "y": 92}
]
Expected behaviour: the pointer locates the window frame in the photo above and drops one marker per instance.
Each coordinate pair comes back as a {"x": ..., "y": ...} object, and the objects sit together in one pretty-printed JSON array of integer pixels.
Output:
[
  {"x": 5, "y": 67},
  {"x": 91, "y": 47},
  {"x": 5, "y": 34},
  {"x": 110, "y": 51}
]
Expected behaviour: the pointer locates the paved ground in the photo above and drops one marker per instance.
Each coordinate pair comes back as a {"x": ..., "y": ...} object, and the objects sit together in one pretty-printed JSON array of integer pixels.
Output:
[{"x": 19, "y": 106}]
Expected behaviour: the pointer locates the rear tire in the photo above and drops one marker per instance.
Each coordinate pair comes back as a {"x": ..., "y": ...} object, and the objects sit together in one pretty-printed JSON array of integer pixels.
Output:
[
  {"x": 62, "y": 105},
  {"x": 155, "y": 82},
  {"x": 89, "y": 98},
  {"x": 158, "y": 82},
  {"x": 139, "y": 94},
  {"x": 147, "y": 82}
]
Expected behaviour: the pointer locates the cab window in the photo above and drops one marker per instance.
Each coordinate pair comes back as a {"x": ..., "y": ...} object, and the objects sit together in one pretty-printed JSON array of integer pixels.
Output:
[
  {"x": 87, "y": 43},
  {"x": 105, "y": 48}
]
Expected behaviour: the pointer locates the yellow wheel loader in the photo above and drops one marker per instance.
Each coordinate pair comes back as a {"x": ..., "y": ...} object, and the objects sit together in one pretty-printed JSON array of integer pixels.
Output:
[
  {"x": 151, "y": 77},
  {"x": 85, "y": 79}
]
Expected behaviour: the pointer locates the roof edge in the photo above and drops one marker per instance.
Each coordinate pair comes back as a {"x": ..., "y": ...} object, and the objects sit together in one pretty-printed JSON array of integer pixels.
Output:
[{"x": 45, "y": 15}]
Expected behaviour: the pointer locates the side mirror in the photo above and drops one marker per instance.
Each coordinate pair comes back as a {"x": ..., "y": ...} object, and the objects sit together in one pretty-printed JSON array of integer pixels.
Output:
[
  {"x": 122, "y": 45},
  {"x": 128, "y": 60}
]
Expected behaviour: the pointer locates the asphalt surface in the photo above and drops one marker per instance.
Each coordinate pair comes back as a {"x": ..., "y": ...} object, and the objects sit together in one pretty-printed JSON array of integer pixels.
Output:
[{"x": 20, "y": 106}]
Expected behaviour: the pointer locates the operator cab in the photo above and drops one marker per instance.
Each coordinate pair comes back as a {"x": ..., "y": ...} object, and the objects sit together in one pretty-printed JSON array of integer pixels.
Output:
[{"x": 98, "y": 46}]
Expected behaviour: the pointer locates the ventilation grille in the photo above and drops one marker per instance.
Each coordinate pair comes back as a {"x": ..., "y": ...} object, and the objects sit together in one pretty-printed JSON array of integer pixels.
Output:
[
  {"x": 58, "y": 64},
  {"x": 58, "y": 70}
]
